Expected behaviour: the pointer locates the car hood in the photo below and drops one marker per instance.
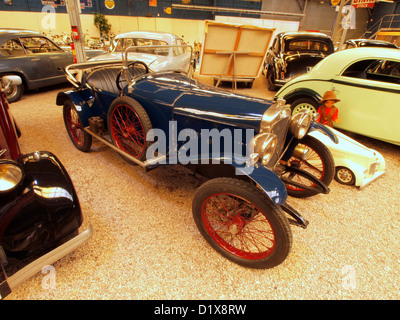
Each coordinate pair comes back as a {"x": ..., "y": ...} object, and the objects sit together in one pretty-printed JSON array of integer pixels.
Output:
[
  {"x": 149, "y": 59},
  {"x": 188, "y": 98},
  {"x": 205, "y": 103}
]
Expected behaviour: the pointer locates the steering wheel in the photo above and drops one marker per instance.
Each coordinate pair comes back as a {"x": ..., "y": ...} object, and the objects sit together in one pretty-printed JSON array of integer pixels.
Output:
[
  {"x": 132, "y": 72},
  {"x": 44, "y": 47}
]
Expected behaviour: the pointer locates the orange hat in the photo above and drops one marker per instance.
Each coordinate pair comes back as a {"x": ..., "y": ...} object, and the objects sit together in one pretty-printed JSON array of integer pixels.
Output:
[{"x": 329, "y": 95}]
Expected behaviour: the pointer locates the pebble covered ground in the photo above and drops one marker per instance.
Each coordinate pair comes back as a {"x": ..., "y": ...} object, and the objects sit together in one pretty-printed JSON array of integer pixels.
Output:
[{"x": 145, "y": 244}]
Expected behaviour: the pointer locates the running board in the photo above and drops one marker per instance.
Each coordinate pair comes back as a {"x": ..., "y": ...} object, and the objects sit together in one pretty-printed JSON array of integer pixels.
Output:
[
  {"x": 48, "y": 259},
  {"x": 143, "y": 164}
]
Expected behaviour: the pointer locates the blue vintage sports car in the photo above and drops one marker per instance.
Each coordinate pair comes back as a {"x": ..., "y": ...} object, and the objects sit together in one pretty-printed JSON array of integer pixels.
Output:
[{"x": 253, "y": 151}]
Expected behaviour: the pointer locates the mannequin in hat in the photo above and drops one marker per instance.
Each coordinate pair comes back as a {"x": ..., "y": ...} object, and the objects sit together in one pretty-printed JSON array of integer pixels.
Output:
[{"x": 328, "y": 113}]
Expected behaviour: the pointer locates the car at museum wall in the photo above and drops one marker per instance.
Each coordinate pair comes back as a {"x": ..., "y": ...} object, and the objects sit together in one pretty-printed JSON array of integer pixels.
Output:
[
  {"x": 40, "y": 214},
  {"x": 34, "y": 58},
  {"x": 360, "y": 43},
  {"x": 367, "y": 82},
  {"x": 294, "y": 53},
  {"x": 150, "y": 50},
  {"x": 252, "y": 152}
]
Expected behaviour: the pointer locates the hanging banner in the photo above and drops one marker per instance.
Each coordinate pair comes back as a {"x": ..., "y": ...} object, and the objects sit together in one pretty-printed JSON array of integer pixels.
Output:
[
  {"x": 363, "y": 3},
  {"x": 153, "y": 3}
]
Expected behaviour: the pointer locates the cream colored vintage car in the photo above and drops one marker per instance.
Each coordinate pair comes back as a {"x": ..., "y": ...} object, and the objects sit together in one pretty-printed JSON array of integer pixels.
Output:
[{"x": 367, "y": 82}]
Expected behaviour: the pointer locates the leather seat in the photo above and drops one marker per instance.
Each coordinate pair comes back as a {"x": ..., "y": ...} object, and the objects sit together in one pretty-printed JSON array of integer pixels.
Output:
[{"x": 104, "y": 79}]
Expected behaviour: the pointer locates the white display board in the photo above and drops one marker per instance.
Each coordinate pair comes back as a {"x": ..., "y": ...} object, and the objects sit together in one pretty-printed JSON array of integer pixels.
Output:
[{"x": 233, "y": 50}]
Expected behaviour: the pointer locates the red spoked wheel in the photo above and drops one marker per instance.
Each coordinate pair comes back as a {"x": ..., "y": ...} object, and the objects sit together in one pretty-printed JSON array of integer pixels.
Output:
[
  {"x": 79, "y": 137},
  {"x": 128, "y": 124},
  {"x": 318, "y": 162},
  {"x": 242, "y": 223}
]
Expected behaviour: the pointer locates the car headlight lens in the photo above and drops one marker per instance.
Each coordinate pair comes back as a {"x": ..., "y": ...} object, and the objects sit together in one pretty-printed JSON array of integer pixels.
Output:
[
  {"x": 11, "y": 175},
  {"x": 300, "y": 123},
  {"x": 264, "y": 146}
]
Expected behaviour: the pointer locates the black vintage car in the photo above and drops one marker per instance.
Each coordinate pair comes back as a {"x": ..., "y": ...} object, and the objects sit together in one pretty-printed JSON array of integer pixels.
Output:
[
  {"x": 39, "y": 209},
  {"x": 293, "y": 54}
]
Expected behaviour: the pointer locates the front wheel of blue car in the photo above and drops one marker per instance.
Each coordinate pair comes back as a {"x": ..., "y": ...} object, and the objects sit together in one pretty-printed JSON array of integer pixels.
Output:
[
  {"x": 128, "y": 124},
  {"x": 242, "y": 223}
]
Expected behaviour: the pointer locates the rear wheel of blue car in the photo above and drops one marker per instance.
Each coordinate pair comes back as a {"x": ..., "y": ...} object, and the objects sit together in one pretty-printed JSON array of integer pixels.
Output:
[
  {"x": 79, "y": 137},
  {"x": 128, "y": 124},
  {"x": 242, "y": 223}
]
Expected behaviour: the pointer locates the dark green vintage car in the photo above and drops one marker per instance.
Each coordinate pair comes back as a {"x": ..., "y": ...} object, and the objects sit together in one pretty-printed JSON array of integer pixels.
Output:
[{"x": 33, "y": 57}]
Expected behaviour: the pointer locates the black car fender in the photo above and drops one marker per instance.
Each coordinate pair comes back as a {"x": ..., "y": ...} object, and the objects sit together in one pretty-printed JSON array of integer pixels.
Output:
[{"x": 301, "y": 93}]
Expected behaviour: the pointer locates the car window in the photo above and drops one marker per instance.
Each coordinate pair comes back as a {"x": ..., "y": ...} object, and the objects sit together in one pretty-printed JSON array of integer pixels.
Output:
[
  {"x": 125, "y": 43},
  {"x": 34, "y": 45},
  {"x": 372, "y": 69},
  {"x": 12, "y": 47},
  {"x": 307, "y": 45},
  {"x": 179, "y": 50},
  {"x": 385, "y": 70}
]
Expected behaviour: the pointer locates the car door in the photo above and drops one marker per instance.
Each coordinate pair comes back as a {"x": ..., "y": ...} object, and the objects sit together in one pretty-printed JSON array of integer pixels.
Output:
[
  {"x": 369, "y": 90},
  {"x": 44, "y": 58}
]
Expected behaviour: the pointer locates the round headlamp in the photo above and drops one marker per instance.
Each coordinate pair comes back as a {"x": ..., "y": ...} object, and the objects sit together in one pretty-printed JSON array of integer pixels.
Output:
[
  {"x": 300, "y": 123},
  {"x": 11, "y": 175},
  {"x": 265, "y": 145}
]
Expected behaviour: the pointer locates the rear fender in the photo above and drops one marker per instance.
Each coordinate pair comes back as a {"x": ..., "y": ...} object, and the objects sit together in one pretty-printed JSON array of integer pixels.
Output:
[{"x": 84, "y": 102}]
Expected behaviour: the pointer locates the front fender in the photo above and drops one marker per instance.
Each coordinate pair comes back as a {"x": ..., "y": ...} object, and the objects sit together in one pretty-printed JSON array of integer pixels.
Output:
[
  {"x": 241, "y": 167},
  {"x": 298, "y": 93},
  {"x": 265, "y": 179}
]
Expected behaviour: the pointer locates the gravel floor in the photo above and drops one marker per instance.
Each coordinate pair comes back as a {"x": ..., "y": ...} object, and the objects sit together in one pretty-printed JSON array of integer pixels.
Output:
[{"x": 145, "y": 244}]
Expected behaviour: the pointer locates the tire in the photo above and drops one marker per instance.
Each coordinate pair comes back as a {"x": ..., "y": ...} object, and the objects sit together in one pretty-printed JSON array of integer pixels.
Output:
[
  {"x": 128, "y": 125},
  {"x": 319, "y": 162},
  {"x": 242, "y": 223},
  {"x": 304, "y": 103},
  {"x": 345, "y": 176},
  {"x": 271, "y": 80},
  {"x": 79, "y": 137},
  {"x": 14, "y": 93}
]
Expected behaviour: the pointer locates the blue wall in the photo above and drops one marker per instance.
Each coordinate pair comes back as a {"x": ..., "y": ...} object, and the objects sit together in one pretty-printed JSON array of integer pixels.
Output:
[{"x": 140, "y": 8}]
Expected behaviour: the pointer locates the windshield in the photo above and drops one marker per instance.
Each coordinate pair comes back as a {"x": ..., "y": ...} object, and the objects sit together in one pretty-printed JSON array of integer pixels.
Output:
[{"x": 124, "y": 43}]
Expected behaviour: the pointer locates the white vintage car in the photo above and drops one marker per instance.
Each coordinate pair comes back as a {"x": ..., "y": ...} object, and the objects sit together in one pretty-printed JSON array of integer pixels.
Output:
[
  {"x": 355, "y": 164},
  {"x": 150, "y": 51}
]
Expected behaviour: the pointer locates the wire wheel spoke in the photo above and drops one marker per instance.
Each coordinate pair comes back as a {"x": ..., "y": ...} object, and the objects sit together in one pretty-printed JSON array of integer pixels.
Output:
[
  {"x": 75, "y": 125},
  {"x": 127, "y": 130},
  {"x": 238, "y": 226}
]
